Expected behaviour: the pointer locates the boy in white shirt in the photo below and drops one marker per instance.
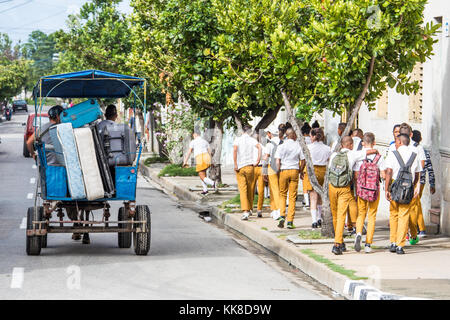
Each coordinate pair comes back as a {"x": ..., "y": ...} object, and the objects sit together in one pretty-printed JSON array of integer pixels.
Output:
[
  {"x": 400, "y": 212},
  {"x": 270, "y": 170},
  {"x": 244, "y": 166},
  {"x": 290, "y": 161},
  {"x": 366, "y": 207},
  {"x": 259, "y": 178},
  {"x": 339, "y": 187}
]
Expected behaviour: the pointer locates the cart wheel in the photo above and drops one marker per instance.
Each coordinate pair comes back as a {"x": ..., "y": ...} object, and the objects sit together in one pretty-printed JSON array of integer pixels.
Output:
[
  {"x": 44, "y": 237},
  {"x": 142, "y": 239},
  {"x": 124, "y": 237},
  {"x": 34, "y": 243}
]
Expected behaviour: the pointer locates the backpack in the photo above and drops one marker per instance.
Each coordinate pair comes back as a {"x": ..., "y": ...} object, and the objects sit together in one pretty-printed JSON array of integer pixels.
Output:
[
  {"x": 273, "y": 161},
  {"x": 402, "y": 189},
  {"x": 368, "y": 182},
  {"x": 340, "y": 173}
]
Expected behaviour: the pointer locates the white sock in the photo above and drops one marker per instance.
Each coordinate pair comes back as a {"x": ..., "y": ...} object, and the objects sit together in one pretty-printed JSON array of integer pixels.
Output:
[
  {"x": 208, "y": 181},
  {"x": 306, "y": 197},
  {"x": 319, "y": 212},
  {"x": 314, "y": 215},
  {"x": 205, "y": 187}
]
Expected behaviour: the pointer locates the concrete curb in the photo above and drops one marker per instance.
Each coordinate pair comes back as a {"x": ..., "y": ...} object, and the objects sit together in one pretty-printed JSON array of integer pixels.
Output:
[{"x": 350, "y": 289}]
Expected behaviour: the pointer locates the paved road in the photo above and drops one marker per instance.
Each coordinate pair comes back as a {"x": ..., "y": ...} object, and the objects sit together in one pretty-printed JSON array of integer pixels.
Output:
[{"x": 189, "y": 258}]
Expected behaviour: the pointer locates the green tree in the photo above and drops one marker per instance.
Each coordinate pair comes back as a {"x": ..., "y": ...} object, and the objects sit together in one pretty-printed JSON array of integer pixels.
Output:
[{"x": 322, "y": 54}]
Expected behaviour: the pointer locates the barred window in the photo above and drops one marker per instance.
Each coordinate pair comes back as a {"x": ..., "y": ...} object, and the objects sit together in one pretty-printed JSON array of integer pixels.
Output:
[{"x": 415, "y": 100}]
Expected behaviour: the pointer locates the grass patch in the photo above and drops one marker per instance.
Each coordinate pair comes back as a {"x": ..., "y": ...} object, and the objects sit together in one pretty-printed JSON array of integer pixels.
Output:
[
  {"x": 175, "y": 170},
  {"x": 281, "y": 236},
  {"x": 237, "y": 201},
  {"x": 331, "y": 265},
  {"x": 310, "y": 234},
  {"x": 151, "y": 160},
  {"x": 228, "y": 210},
  {"x": 264, "y": 228}
]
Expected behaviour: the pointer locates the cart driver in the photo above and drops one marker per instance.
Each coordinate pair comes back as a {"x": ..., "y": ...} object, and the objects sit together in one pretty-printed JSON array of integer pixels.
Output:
[
  {"x": 110, "y": 115},
  {"x": 53, "y": 115}
]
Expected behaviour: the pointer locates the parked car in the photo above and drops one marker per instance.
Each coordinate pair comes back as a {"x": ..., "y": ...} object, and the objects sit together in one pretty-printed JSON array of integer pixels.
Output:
[
  {"x": 19, "y": 105},
  {"x": 31, "y": 123}
]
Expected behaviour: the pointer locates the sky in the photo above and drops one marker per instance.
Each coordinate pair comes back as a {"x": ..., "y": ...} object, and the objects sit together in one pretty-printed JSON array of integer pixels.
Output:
[{"x": 18, "y": 18}]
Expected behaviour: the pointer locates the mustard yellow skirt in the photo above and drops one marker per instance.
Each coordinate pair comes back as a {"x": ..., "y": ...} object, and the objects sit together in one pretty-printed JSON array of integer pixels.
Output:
[
  {"x": 320, "y": 174},
  {"x": 203, "y": 162}
]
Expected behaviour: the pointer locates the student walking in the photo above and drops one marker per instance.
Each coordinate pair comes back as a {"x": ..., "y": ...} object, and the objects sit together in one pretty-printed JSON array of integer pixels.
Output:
[
  {"x": 320, "y": 153},
  {"x": 290, "y": 161},
  {"x": 244, "y": 166},
  {"x": 417, "y": 138},
  {"x": 201, "y": 150},
  {"x": 402, "y": 165},
  {"x": 340, "y": 175},
  {"x": 271, "y": 172},
  {"x": 368, "y": 174},
  {"x": 259, "y": 178}
]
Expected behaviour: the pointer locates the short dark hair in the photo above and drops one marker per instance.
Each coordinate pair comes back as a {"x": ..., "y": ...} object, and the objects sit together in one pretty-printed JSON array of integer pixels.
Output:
[
  {"x": 288, "y": 125},
  {"x": 369, "y": 138},
  {"x": 404, "y": 138},
  {"x": 55, "y": 111},
  {"x": 405, "y": 128},
  {"x": 246, "y": 128},
  {"x": 342, "y": 126},
  {"x": 417, "y": 136},
  {"x": 395, "y": 127},
  {"x": 110, "y": 111}
]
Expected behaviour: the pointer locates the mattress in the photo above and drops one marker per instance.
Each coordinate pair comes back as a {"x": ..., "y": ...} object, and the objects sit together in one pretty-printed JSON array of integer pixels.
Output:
[
  {"x": 93, "y": 183},
  {"x": 64, "y": 142}
]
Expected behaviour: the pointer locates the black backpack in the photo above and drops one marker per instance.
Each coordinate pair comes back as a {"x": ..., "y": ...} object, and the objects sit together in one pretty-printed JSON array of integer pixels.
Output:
[{"x": 402, "y": 189}]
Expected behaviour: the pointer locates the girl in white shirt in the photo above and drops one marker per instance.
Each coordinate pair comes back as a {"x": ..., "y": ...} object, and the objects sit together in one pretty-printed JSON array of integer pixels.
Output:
[
  {"x": 320, "y": 153},
  {"x": 201, "y": 150}
]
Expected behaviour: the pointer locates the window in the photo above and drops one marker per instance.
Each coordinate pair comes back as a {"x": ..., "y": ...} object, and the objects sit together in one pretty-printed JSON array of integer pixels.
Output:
[
  {"x": 382, "y": 107},
  {"x": 415, "y": 100}
]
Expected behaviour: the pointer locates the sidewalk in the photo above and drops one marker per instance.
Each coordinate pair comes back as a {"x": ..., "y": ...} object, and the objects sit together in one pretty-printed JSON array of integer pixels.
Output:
[{"x": 421, "y": 273}]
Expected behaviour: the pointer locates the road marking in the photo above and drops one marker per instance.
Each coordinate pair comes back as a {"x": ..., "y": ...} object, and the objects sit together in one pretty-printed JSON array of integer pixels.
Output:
[
  {"x": 33, "y": 180},
  {"x": 34, "y": 166},
  {"x": 30, "y": 196},
  {"x": 23, "y": 225},
  {"x": 17, "y": 278}
]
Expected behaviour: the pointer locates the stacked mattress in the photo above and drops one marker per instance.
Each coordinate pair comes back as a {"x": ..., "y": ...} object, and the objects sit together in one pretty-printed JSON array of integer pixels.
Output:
[{"x": 76, "y": 151}]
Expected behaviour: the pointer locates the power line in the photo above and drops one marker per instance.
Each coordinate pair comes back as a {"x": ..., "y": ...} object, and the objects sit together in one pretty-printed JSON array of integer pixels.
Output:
[{"x": 16, "y": 6}]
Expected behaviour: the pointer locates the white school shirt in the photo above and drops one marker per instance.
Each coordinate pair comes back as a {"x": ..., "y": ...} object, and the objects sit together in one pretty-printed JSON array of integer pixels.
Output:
[
  {"x": 353, "y": 156},
  {"x": 356, "y": 142},
  {"x": 308, "y": 140},
  {"x": 392, "y": 162},
  {"x": 269, "y": 146},
  {"x": 199, "y": 145},
  {"x": 255, "y": 154},
  {"x": 245, "y": 148},
  {"x": 380, "y": 163},
  {"x": 418, "y": 150},
  {"x": 320, "y": 153},
  {"x": 290, "y": 153}
]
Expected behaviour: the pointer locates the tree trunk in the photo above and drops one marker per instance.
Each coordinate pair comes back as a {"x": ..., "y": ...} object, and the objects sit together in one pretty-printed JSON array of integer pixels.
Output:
[
  {"x": 327, "y": 219},
  {"x": 215, "y": 171},
  {"x": 267, "y": 119}
]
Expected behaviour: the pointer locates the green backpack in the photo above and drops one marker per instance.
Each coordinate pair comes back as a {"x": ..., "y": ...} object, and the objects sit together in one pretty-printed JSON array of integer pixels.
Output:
[{"x": 340, "y": 173}]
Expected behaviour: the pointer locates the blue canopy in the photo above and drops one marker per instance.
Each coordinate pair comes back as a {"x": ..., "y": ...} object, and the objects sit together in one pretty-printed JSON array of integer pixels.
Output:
[{"x": 86, "y": 84}]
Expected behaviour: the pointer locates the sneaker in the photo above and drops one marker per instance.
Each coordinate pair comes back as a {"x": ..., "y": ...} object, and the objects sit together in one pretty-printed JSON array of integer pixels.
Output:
[
  {"x": 259, "y": 213},
  {"x": 422, "y": 234},
  {"x": 358, "y": 243},
  {"x": 343, "y": 247},
  {"x": 319, "y": 223},
  {"x": 281, "y": 222},
  {"x": 336, "y": 250},
  {"x": 276, "y": 214},
  {"x": 367, "y": 248},
  {"x": 315, "y": 225},
  {"x": 400, "y": 250},
  {"x": 86, "y": 239},
  {"x": 250, "y": 213},
  {"x": 413, "y": 241},
  {"x": 393, "y": 248},
  {"x": 290, "y": 225},
  {"x": 245, "y": 216}
]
